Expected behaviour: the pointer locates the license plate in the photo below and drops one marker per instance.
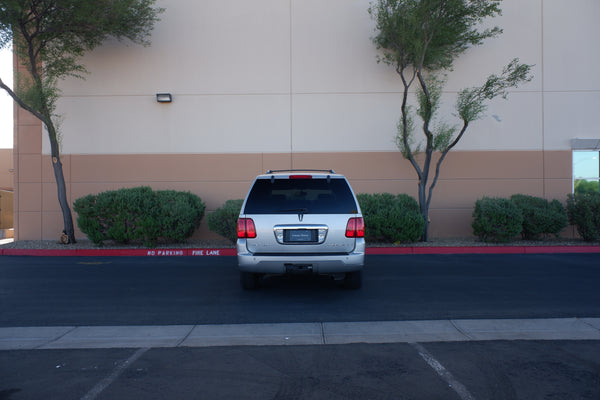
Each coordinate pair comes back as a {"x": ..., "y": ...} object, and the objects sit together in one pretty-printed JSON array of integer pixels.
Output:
[{"x": 300, "y": 235}]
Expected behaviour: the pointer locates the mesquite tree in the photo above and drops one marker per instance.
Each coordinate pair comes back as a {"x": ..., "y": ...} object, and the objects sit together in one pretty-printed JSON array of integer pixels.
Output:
[
  {"x": 421, "y": 39},
  {"x": 49, "y": 37}
]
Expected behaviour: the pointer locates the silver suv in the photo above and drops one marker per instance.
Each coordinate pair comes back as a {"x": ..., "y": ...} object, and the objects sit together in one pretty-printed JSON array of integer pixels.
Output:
[{"x": 301, "y": 221}]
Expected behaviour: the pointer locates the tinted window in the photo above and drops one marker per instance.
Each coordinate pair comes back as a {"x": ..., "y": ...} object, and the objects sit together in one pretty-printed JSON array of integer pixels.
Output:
[{"x": 309, "y": 196}]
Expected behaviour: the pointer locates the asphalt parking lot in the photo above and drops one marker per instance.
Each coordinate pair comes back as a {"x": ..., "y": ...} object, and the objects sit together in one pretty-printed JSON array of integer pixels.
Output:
[
  {"x": 492, "y": 327},
  {"x": 456, "y": 370},
  {"x": 116, "y": 291}
]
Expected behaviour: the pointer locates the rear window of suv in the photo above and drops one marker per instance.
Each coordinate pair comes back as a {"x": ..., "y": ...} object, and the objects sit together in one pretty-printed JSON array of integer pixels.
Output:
[{"x": 293, "y": 196}]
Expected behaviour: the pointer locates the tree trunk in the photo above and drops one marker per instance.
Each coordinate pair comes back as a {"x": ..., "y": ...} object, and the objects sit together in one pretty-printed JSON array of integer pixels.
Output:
[
  {"x": 61, "y": 188},
  {"x": 424, "y": 208}
]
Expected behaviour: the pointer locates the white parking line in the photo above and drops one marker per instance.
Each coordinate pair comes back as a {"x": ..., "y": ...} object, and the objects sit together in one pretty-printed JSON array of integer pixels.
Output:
[
  {"x": 104, "y": 383},
  {"x": 458, "y": 387}
]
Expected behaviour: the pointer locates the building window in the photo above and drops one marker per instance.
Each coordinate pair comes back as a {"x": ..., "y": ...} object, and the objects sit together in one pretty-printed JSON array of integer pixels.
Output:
[{"x": 586, "y": 171}]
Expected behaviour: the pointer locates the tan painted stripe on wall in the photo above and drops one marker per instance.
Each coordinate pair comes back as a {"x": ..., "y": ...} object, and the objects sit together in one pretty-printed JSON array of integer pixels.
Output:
[{"x": 465, "y": 177}]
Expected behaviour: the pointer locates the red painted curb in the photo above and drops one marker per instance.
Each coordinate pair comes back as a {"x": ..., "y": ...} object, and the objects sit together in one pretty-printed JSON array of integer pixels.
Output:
[
  {"x": 561, "y": 249},
  {"x": 118, "y": 252},
  {"x": 388, "y": 250},
  {"x": 482, "y": 250},
  {"x": 232, "y": 252}
]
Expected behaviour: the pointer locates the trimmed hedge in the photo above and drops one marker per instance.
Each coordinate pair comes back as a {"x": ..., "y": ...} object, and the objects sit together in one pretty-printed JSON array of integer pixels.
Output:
[
  {"x": 583, "y": 210},
  {"x": 540, "y": 217},
  {"x": 391, "y": 218},
  {"x": 496, "y": 220},
  {"x": 139, "y": 214},
  {"x": 224, "y": 219}
]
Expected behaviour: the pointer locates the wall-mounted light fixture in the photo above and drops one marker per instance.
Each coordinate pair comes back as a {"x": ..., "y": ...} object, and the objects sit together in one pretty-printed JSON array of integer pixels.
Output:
[{"x": 164, "y": 97}]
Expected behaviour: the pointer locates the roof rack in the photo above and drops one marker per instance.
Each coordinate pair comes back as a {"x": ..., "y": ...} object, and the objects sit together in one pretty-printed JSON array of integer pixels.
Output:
[{"x": 272, "y": 171}]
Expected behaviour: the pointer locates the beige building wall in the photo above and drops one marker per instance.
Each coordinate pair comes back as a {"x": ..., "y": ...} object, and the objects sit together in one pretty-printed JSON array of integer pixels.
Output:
[
  {"x": 295, "y": 84},
  {"x": 6, "y": 169},
  {"x": 300, "y": 77}
]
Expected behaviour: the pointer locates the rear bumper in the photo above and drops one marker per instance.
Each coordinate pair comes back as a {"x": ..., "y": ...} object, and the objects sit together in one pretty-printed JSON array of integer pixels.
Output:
[{"x": 319, "y": 263}]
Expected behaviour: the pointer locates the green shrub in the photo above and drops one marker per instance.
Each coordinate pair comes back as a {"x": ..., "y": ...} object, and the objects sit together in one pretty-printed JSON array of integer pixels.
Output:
[
  {"x": 583, "y": 210},
  {"x": 496, "y": 220},
  {"x": 585, "y": 186},
  {"x": 180, "y": 214},
  {"x": 224, "y": 219},
  {"x": 540, "y": 217},
  {"x": 139, "y": 214},
  {"x": 391, "y": 218}
]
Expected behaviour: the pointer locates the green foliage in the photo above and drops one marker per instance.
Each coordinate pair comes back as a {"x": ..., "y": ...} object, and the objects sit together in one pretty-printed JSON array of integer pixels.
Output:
[
  {"x": 391, "y": 218},
  {"x": 583, "y": 210},
  {"x": 496, "y": 220},
  {"x": 540, "y": 217},
  {"x": 139, "y": 214},
  {"x": 429, "y": 96},
  {"x": 38, "y": 95},
  {"x": 584, "y": 186},
  {"x": 470, "y": 104},
  {"x": 430, "y": 34},
  {"x": 224, "y": 219},
  {"x": 63, "y": 30},
  {"x": 405, "y": 139},
  {"x": 180, "y": 214},
  {"x": 445, "y": 134},
  {"x": 52, "y": 35}
]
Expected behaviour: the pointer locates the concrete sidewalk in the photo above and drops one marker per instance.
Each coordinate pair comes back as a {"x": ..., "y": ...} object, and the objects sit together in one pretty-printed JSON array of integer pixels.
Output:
[{"x": 93, "y": 337}]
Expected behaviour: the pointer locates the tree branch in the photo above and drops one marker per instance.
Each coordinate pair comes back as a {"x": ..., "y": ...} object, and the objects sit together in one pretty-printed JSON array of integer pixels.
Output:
[
  {"x": 405, "y": 133},
  {"x": 442, "y": 157},
  {"x": 458, "y": 137},
  {"x": 21, "y": 103}
]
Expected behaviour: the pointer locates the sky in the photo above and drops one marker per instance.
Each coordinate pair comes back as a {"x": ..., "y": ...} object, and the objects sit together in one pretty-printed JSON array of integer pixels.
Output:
[
  {"x": 586, "y": 164},
  {"x": 6, "y": 103}
]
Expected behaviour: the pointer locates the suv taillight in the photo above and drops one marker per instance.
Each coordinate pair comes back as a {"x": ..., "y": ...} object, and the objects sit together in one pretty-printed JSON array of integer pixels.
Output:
[
  {"x": 246, "y": 228},
  {"x": 355, "y": 228}
]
